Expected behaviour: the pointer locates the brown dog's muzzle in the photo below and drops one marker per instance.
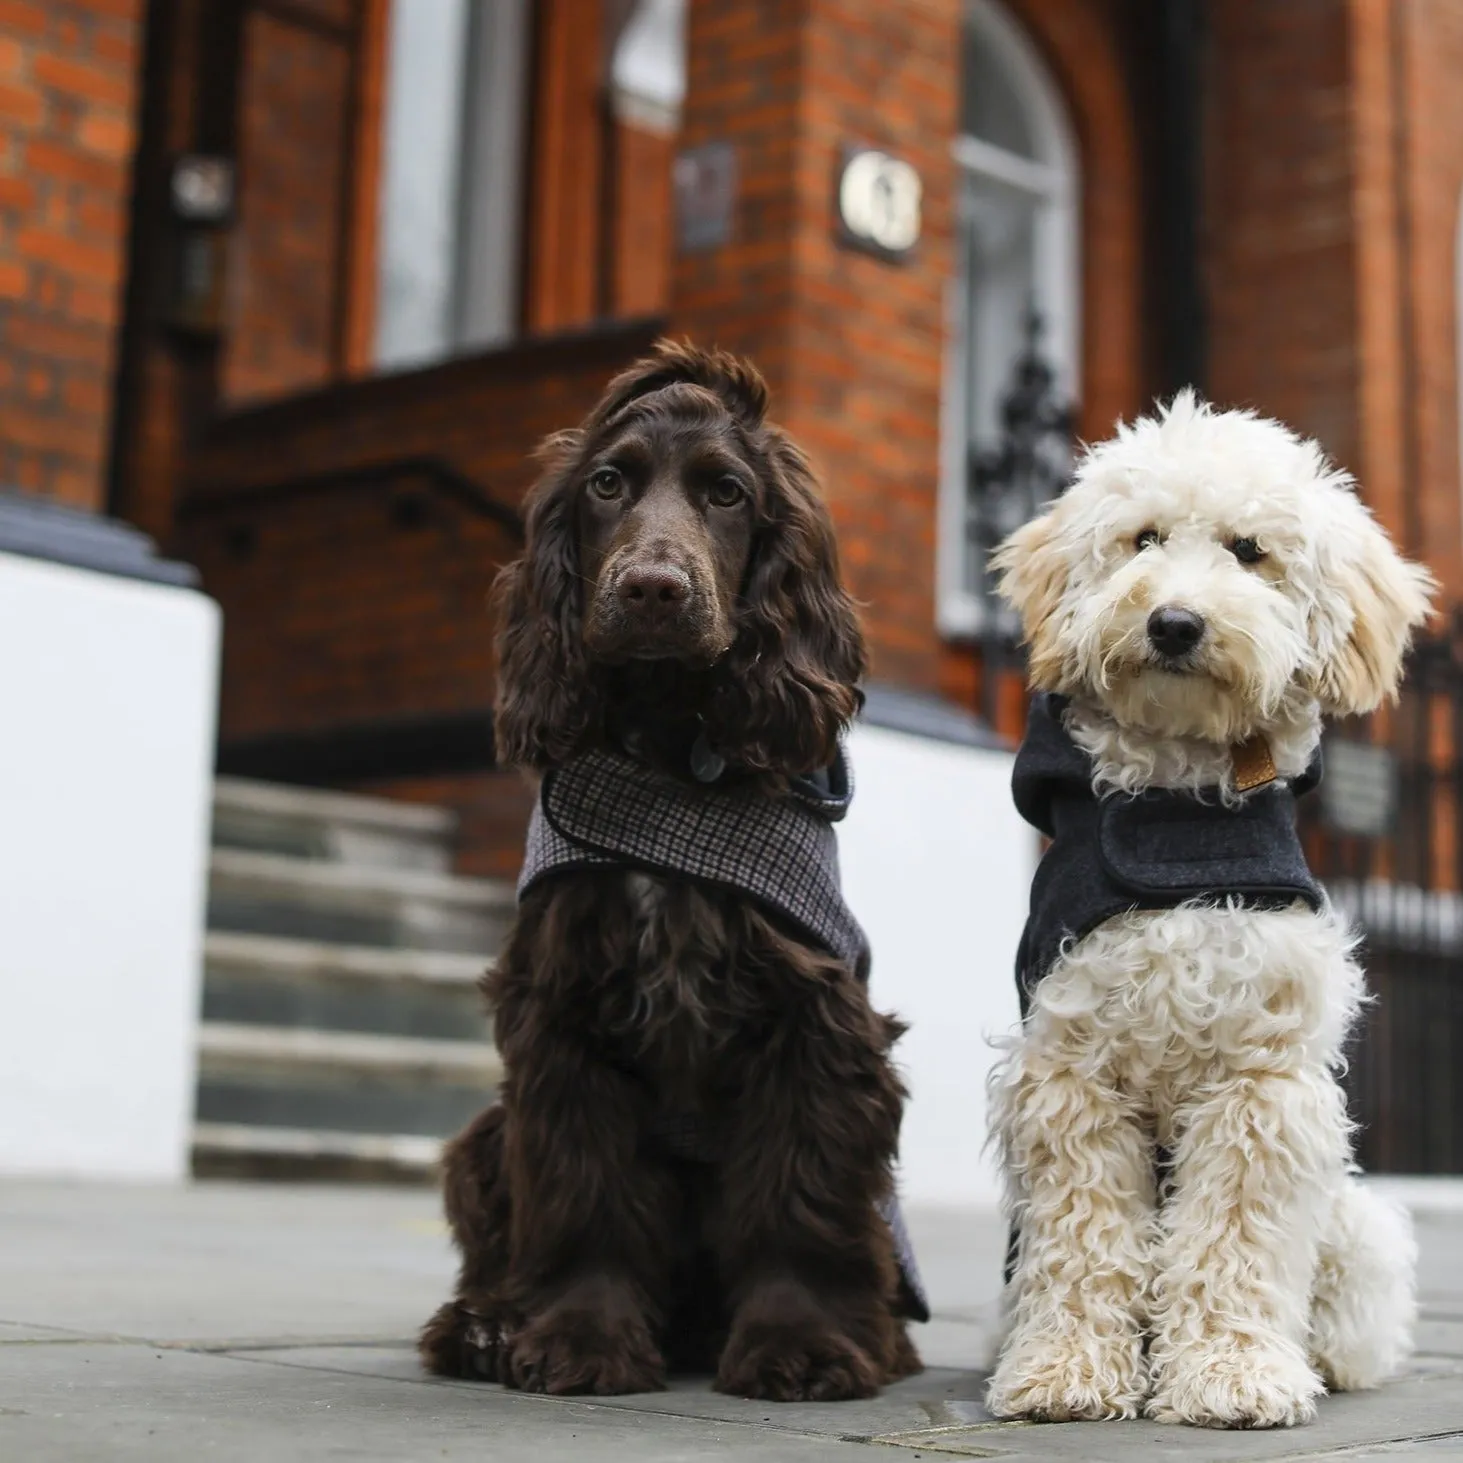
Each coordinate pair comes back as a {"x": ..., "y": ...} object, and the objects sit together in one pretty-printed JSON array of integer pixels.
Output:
[{"x": 654, "y": 609}]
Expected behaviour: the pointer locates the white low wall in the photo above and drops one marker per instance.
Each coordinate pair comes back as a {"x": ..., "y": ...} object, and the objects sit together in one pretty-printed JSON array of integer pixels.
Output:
[
  {"x": 937, "y": 866},
  {"x": 107, "y": 701}
]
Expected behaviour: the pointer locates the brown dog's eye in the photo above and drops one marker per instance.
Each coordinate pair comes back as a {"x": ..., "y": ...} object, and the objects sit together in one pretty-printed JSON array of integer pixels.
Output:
[
  {"x": 1146, "y": 539},
  {"x": 606, "y": 483},
  {"x": 1246, "y": 550},
  {"x": 726, "y": 492}
]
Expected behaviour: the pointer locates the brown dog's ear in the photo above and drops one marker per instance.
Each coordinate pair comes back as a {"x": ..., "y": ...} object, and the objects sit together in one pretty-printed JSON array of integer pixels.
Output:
[
  {"x": 789, "y": 684},
  {"x": 1032, "y": 575},
  {"x": 1369, "y": 600},
  {"x": 736, "y": 383},
  {"x": 546, "y": 698}
]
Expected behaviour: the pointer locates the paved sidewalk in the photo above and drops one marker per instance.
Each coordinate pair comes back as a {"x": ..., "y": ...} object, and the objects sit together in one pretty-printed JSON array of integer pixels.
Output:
[{"x": 247, "y": 1323}]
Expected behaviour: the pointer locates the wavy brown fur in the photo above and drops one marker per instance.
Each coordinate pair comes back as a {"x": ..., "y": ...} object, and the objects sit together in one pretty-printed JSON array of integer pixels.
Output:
[{"x": 593, "y": 1259}]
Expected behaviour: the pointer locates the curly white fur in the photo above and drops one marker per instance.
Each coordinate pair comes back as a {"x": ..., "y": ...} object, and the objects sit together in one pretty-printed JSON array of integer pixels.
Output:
[{"x": 1264, "y": 1273}]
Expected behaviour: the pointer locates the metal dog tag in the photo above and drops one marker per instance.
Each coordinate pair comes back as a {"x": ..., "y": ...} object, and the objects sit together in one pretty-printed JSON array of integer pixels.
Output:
[{"x": 706, "y": 765}]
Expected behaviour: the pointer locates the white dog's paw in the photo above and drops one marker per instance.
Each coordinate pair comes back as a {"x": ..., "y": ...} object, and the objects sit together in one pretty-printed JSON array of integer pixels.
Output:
[
  {"x": 1087, "y": 1378},
  {"x": 1232, "y": 1383}
]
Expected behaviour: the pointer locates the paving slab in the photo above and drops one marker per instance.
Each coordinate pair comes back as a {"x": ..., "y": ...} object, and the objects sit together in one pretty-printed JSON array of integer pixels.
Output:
[
  {"x": 222, "y": 1262},
  {"x": 243, "y": 1322},
  {"x": 115, "y": 1404},
  {"x": 940, "y": 1396}
]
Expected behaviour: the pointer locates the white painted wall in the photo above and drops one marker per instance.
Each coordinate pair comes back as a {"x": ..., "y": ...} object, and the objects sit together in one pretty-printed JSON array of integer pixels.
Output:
[
  {"x": 107, "y": 700},
  {"x": 937, "y": 866}
]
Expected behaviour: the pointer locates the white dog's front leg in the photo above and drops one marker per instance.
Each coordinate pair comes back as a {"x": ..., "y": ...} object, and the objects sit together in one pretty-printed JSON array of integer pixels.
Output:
[
  {"x": 1255, "y": 1157},
  {"x": 1080, "y": 1165}
]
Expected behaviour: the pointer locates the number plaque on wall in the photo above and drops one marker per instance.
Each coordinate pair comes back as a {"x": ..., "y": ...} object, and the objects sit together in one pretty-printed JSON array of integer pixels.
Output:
[{"x": 877, "y": 202}]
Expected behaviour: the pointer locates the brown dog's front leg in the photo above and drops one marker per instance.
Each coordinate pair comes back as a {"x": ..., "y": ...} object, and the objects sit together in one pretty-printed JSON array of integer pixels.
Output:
[
  {"x": 809, "y": 1261},
  {"x": 592, "y": 1222},
  {"x": 466, "y": 1337}
]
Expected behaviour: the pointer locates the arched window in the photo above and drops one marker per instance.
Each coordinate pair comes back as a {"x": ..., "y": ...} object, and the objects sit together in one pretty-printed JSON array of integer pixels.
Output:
[{"x": 1014, "y": 302}]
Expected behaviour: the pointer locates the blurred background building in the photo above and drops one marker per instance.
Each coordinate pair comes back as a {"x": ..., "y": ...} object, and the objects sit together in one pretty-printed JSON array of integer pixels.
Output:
[{"x": 295, "y": 286}]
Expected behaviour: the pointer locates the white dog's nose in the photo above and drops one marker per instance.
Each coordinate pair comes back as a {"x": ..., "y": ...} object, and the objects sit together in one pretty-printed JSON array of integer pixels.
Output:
[{"x": 1174, "y": 632}]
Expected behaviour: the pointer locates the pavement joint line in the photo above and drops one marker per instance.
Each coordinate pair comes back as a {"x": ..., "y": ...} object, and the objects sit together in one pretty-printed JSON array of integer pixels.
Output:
[
  {"x": 69, "y": 1335},
  {"x": 933, "y": 1436},
  {"x": 1352, "y": 1450},
  {"x": 597, "y": 1404},
  {"x": 226, "y": 1346},
  {"x": 895, "y": 1440},
  {"x": 992, "y": 1425},
  {"x": 73, "y": 1336}
]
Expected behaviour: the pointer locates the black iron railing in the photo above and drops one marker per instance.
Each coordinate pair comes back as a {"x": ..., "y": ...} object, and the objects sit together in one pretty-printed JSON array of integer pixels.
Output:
[
  {"x": 1006, "y": 484},
  {"x": 1386, "y": 838}
]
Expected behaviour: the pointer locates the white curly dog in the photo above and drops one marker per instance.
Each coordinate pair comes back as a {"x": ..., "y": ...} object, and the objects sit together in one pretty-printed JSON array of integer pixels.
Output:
[{"x": 1263, "y": 1273}]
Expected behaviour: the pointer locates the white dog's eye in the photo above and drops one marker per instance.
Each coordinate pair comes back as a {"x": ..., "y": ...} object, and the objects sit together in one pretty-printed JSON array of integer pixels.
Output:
[
  {"x": 1246, "y": 550},
  {"x": 1144, "y": 540}
]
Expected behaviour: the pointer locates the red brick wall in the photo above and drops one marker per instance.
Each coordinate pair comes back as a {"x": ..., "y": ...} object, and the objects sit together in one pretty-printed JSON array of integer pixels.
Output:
[
  {"x": 562, "y": 276},
  {"x": 639, "y": 220},
  {"x": 1336, "y": 143},
  {"x": 852, "y": 346},
  {"x": 1431, "y": 44},
  {"x": 1280, "y": 243},
  {"x": 284, "y": 329},
  {"x": 336, "y": 612},
  {"x": 67, "y": 98}
]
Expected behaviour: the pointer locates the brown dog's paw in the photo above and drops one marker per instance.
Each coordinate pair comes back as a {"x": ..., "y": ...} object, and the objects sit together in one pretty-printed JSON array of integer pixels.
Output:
[
  {"x": 905, "y": 1361},
  {"x": 460, "y": 1341},
  {"x": 568, "y": 1352},
  {"x": 796, "y": 1364}
]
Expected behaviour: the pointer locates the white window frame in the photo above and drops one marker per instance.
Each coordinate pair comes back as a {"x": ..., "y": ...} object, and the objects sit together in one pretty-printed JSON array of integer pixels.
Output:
[
  {"x": 1053, "y": 178},
  {"x": 482, "y": 168}
]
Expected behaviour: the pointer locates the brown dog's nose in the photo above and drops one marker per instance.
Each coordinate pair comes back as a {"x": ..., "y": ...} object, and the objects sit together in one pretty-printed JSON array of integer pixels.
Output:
[
  {"x": 1174, "y": 632},
  {"x": 653, "y": 589}
]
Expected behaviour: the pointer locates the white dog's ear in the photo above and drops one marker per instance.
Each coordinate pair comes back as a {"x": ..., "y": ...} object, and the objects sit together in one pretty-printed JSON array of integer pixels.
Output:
[
  {"x": 1032, "y": 574},
  {"x": 1370, "y": 600}
]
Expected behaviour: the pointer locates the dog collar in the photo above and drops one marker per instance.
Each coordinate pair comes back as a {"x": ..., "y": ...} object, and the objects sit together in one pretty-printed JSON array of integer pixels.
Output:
[{"x": 1253, "y": 764}]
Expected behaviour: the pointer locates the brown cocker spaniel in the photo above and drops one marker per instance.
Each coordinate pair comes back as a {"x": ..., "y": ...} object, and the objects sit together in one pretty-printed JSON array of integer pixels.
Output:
[{"x": 678, "y": 599}]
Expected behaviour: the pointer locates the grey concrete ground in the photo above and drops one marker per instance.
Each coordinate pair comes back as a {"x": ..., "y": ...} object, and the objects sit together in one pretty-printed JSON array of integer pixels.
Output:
[{"x": 247, "y": 1323}]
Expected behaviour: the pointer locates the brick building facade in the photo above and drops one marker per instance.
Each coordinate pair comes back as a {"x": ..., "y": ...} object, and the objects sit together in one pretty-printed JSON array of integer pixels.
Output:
[
  {"x": 69, "y": 77},
  {"x": 322, "y": 381}
]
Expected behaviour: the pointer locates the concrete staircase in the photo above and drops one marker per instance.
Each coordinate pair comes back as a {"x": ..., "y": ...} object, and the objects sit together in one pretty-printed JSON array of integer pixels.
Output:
[{"x": 343, "y": 1032}]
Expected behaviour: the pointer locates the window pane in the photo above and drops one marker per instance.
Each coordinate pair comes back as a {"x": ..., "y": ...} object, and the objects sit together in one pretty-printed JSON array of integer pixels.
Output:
[
  {"x": 422, "y": 148},
  {"x": 1000, "y": 263},
  {"x": 991, "y": 107}
]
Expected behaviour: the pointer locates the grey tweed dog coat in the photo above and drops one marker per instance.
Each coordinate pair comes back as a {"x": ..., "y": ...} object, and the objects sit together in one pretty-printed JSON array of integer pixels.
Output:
[
  {"x": 605, "y": 809},
  {"x": 1159, "y": 849}
]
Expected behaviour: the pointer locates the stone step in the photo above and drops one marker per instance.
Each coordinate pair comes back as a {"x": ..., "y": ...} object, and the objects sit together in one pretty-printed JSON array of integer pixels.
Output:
[
  {"x": 238, "y": 1150},
  {"x": 265, "y": 980},
  {"x": 356, "y": 904},
  {"x": 227, "y": 1047},
  {"x": 341, "y": 1081},
  {"x": 335, "y": 827}
]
